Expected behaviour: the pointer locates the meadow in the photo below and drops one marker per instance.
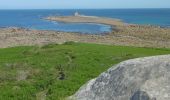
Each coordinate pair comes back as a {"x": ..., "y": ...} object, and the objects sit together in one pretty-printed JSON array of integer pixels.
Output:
[{"x": 56, "y": 71}]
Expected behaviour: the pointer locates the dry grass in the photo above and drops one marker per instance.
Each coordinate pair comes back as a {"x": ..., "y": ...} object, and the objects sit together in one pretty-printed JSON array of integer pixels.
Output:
[
  {"x": 129, "y": 35},
  {"x": 145, "y": 32}
]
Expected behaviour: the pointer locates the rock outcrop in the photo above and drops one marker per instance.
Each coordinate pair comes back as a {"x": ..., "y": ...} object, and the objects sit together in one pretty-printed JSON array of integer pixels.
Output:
[{"x": 145, "y": 78}]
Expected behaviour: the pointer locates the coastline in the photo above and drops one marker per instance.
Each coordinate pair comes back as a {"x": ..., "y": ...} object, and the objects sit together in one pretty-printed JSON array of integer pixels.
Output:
[
  {"x": 137, "y": 36},
  {"x": 87, "y": 19},
  {"x": 123, "y": 34}
]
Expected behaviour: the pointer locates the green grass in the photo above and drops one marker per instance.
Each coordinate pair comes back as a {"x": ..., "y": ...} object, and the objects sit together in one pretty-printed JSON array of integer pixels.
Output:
[{"x": 30, "y": 72}]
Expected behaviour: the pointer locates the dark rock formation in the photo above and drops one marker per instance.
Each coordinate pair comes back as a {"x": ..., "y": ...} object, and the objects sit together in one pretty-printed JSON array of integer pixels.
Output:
[
  {"x": 137, "y": 79},
  {"x": 140, "y": 95}
]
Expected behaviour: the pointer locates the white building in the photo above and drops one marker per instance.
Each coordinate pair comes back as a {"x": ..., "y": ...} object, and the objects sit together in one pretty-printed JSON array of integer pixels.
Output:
[{"x": 76, "y": 14}]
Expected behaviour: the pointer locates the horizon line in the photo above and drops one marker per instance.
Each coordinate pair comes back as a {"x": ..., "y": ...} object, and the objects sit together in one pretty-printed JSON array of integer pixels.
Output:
[{"x": 72, "y": 8}]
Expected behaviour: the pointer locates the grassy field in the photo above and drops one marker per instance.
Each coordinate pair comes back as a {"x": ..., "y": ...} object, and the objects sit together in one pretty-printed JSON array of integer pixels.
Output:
[{"x": 57, "y": 71}]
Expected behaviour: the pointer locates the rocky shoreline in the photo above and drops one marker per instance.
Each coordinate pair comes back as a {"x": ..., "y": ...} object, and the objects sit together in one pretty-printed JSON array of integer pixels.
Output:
[{"x": 131, "y": 35}]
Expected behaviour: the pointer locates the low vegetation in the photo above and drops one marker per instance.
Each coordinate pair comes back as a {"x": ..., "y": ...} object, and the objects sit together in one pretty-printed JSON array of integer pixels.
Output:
[
  {"x": 53, "y": 72},
  {"x": 144, "y": 32}
]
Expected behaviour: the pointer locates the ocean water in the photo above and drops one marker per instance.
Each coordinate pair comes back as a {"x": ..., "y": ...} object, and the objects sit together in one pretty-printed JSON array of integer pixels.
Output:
[{"x": 33, "y": 19}]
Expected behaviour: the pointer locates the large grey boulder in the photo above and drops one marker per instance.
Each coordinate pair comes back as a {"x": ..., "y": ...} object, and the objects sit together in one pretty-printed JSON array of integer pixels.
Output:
[{"x": 145, "y": 78}]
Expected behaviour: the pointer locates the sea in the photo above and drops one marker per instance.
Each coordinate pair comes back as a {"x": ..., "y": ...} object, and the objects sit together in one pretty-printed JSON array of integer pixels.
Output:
[{"x": 33, "y": 19}]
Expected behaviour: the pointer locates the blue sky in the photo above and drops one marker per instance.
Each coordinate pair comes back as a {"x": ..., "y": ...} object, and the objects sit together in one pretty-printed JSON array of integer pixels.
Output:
[{"x": 80, "y": 4}]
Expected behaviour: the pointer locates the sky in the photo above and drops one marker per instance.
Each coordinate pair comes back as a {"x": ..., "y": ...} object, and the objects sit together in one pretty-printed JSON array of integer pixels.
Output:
[{"x": 82, "y": 4}]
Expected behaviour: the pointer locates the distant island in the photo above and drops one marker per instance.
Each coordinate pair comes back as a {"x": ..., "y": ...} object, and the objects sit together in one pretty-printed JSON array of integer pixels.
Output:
[{"x": 77, "y": 18}]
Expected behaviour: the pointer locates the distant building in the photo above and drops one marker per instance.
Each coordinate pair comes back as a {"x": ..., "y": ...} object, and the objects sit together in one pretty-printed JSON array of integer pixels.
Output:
[{"x": 76, "y": 14}]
